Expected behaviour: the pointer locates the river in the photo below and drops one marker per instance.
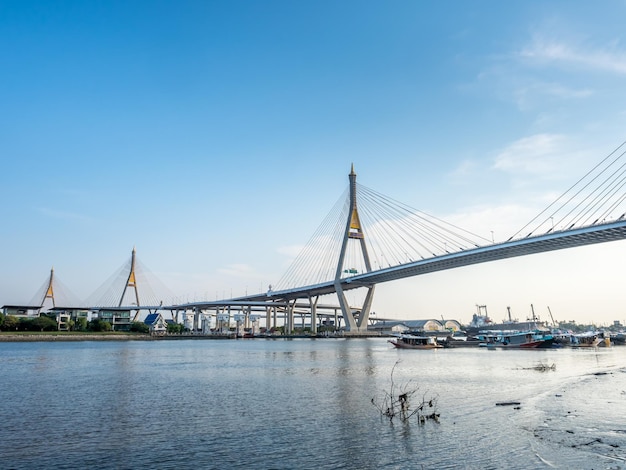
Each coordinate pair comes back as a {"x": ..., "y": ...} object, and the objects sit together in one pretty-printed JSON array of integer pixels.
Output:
[{"x": 285, "y": 404}]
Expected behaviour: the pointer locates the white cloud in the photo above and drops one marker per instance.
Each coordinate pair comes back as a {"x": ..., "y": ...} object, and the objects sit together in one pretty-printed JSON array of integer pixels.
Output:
[
  {"x": 497, "y": 222},
  {"x": 538, "y": 154},
  {"x": 533, "y": 92},
  {"x": 543, "y": 50}
]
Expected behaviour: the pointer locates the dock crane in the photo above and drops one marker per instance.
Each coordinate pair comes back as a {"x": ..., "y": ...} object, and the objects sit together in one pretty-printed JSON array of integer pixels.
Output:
[{"x": 553, "y": 322}]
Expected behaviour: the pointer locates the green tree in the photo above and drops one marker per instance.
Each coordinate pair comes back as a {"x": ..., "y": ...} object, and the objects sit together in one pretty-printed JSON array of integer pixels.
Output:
[
  {"x": 97, "y": 324},
  {"x": 43, "y": 324},
  {"x": 2, "y": 316},
  {"x": 11, "y": 323},
  {"x": 81, "y": 324},
  {"x": 139, "y": 327},
  {"x": 174, "y": 328},
  {"x": 24, "y": 324}
]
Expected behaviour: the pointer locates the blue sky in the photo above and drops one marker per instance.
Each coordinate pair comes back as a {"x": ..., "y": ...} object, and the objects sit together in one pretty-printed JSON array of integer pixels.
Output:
[{"x": 216, "y": 136}]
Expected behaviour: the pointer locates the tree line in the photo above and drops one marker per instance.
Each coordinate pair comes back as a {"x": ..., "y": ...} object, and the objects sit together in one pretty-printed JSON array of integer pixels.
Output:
[{"x": 45, "y": 323}]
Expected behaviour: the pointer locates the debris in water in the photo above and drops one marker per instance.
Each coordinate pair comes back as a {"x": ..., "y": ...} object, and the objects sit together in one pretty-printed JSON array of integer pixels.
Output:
[{"x": 541, "y": 367}]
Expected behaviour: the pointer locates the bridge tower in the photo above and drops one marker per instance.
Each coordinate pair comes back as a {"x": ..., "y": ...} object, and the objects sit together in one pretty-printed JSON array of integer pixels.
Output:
[
  {"x": 355, "y": 324},
  {"x": 131, "y": 281},
  {"x": 49, "y": 292}
]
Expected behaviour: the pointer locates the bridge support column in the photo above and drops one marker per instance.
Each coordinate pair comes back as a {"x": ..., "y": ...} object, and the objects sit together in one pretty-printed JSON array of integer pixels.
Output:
[
  {"x": 365, "y": 309},
  {"x": 346, "y": 310},
  {"x": 313, "y": 304},
  {"x": 268, "y": 318},
  {"x": 289, "y": 318},
  {"x": 355, "y": 325},
  {"x": 196, "y": 318}
]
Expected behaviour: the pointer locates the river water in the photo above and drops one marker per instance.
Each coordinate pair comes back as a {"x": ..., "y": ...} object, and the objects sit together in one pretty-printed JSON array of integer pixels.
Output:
[{"x": 285, "y": 404}]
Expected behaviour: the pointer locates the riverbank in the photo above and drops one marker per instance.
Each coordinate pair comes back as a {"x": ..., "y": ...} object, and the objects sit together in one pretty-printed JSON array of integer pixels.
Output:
[
  {"x": 109, "y": 336},
  {"x": 47, "y": 336},
  {"x": 122, "y": 336}
]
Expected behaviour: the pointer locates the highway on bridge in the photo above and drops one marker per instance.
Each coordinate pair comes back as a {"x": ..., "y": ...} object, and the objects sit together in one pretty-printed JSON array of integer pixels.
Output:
[{"x": 593, "y": 234}]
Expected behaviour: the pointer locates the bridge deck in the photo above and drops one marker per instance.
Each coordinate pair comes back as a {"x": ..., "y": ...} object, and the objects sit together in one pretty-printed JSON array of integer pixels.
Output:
[
  {"x": 612, "y": 231},
  {"x": 590, "y": 235}
]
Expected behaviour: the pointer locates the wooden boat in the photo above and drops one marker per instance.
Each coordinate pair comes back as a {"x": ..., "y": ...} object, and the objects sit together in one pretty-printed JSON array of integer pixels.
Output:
[
  {"x": 465, "y": 342},
  {"x": 488, "y": 340},
  {"x": 515, "y": 339},
  {"x": 618, "y": 338},
  {"x": 585, "y": 340},
  {"x": 415, "y": 342},
  {"x": 525, "y": 340}
]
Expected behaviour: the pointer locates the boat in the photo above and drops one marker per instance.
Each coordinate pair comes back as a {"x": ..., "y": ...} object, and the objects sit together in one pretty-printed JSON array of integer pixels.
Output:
[
  {"x": 589, "y": 339},
  {"x": 618, "y": 338},
  {"x": 461, "y": 342},
  {"x": 488, "y": 340},
  {"x": 515, "y": 339},
  {"x": 407, "y": 341},
  {"x": 525, "y": 340}
]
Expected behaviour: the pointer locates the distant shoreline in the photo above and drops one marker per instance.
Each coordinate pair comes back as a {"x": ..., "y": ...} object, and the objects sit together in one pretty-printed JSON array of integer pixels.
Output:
[
  {"x": 66, "y": 337},
  {"x": 52, "y": 337},
  {"x": 13, "y": 338}
]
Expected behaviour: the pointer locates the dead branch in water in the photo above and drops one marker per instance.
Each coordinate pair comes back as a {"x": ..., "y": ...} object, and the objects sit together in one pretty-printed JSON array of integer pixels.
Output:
[
  {"x": 541, "y": 367},
  {"x": 397, "y": 402}
]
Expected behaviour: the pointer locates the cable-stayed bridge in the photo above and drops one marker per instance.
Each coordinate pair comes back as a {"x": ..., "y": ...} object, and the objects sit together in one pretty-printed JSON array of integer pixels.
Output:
[
  {"x": 593, "y": 234},
  {"x": 368, "y": 238}
]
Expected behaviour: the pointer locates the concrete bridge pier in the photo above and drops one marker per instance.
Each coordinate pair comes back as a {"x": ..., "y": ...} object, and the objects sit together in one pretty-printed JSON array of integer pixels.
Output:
[
  {"x": 313, "y": 304},
  {"x": 268, "y": 317},
  {"x": 196, "y": 318},
  {"x": 248, "y": 313},
  {"x": 274, "y": 317},
  {"x": 289, "y": 318}
]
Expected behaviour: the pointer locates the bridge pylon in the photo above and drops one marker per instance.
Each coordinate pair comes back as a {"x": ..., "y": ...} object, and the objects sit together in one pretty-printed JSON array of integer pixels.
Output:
[
  {"x": 356, "y": 322},
  {"x": 49, "y": 292},
  {"x": 131, "y": 281}
]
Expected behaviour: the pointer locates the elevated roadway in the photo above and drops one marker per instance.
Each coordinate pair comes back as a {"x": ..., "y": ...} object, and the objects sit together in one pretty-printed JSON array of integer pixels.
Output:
[{"x": 559, "y": 240}]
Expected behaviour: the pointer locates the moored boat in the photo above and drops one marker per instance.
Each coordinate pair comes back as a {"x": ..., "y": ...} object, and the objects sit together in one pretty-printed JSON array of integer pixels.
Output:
[
  {"x": 415, "y": 342},
  {"x": 461, "y": 342},
  {"x": 618, "y": 338},
  {"x": 526, "y": 340},
  {"x": 516, "y": 339},
  {"x": 589, "y": 339}
]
